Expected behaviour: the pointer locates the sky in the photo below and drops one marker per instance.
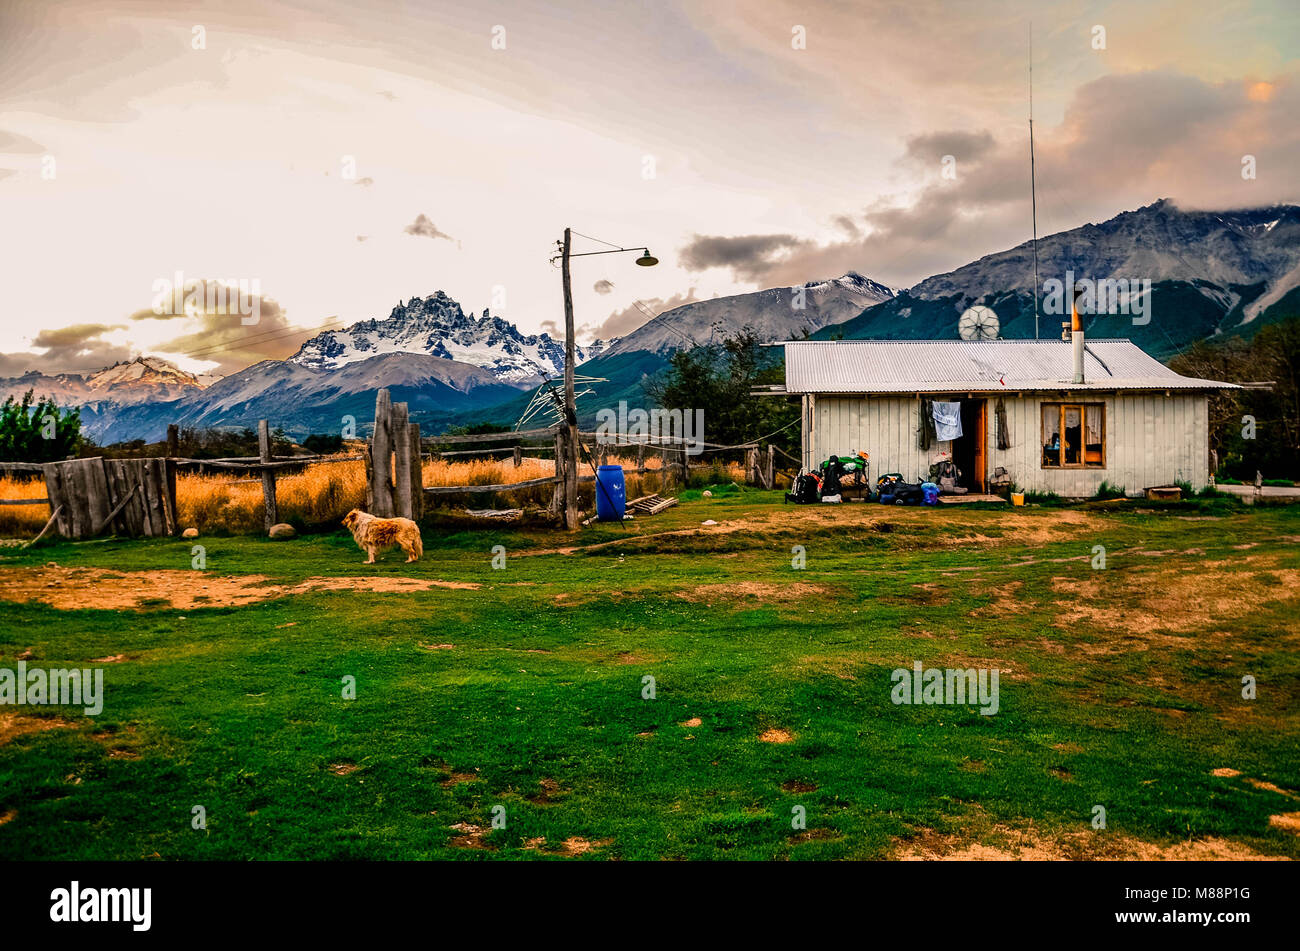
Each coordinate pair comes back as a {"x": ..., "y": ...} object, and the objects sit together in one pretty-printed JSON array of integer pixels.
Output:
[{"x": 337, "y": 158}]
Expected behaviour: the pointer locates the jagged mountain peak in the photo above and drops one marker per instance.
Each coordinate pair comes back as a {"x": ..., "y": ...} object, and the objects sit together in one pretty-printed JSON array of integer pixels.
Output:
[{"x": 438, "y": 326}]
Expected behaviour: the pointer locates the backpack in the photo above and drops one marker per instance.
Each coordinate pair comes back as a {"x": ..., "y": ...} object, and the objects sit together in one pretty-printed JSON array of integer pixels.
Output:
[{"x": 805, "y": 490}]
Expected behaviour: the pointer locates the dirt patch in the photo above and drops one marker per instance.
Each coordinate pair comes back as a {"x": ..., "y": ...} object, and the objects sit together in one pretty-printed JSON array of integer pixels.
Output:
[
  {"x": 343, "y": 769},
  {"x": 438, "y": 647},
  {"x": 758, "y": 590},
  {"x": 13, "y": 726},
  {"x": 114, "y": 659},
  {"x": 1140, "y": 603},
  {"x": 1288, "y": 821},
  {"x": 471, "y": 836},
  {"x": 577, "y": 845},
  {"x": 1003, "y": 843},
  {"x": 1271, "y": 787},
  {"x": 692, "y": 722},
  {"x": 776, "y": 735},
  {"x": 547, "y": 794},
  {"x": 9, "y": 815},
  {"x": 798, "y": 786},
  {"x": 73, "y": 588},
  {"x": 1225, "y": 771},
  {"x": 455, "y": 779}
]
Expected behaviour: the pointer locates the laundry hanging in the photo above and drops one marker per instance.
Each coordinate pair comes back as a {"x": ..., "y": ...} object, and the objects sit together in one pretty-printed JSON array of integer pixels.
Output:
[
  {"x": 1004, "y": 431},
  {"x": 947, "y": 420}
]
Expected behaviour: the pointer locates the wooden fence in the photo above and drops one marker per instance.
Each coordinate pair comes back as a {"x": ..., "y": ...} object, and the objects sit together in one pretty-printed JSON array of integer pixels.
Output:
[
  {"x": 395, "y": 485},
  {"x": 137, "y": 497}
]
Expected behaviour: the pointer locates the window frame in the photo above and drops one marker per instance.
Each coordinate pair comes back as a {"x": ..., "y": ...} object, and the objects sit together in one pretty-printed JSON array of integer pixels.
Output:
[{"x": 1061, "y": 408}]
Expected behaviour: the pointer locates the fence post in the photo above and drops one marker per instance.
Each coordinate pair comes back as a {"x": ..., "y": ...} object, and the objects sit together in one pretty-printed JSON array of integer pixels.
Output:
[
  {"x": 640, "y": 456},
  {"x": 686, "y": 466},
  {"x": 399, "y": 422},
  {"x": 417, "y": 472},
  {"x": 381, "y": 457},
  {"x": 519, "y": 456},
  {"x": 270, "y": 516},
  {"x": 771, "y": 465},
  {"x": 751, "y": 466},
  {"x": 173, "y": 440},
  {"x": 557, "y": 497}
]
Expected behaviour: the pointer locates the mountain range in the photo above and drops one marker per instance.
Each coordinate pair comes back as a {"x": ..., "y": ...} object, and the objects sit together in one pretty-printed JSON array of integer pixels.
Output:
[{"x": 1211, "y": 274}]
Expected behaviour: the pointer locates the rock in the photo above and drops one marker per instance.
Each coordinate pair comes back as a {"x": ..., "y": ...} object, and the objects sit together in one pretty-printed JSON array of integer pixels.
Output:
[
  {"x": 282, "y": 530},
  {"x": 190, "y": 533},
  {"x": 709, "y": 522},
  {"x": 708, "y": 494}
]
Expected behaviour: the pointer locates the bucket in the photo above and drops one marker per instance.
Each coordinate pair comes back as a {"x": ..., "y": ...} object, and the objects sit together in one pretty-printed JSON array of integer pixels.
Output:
[
  {"x": 1017, "y": 498},
  {"x": 611, "y": 494}
]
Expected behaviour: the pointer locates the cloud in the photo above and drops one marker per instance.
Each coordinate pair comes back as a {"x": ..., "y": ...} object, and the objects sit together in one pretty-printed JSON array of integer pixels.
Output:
[
  {"x": 425, "y": 228},
  {"x": 78, "y": 348},
  {"x": 13, "y": 142},
  {"x": 217, "y": 333},
  {"x": 934, "y": 146},
  {"x": 1124, "y": 141},
  {"x": 603, "y": 286},
  {"x": 748, "y": 256},
  {"x": 620, "y": 323}
]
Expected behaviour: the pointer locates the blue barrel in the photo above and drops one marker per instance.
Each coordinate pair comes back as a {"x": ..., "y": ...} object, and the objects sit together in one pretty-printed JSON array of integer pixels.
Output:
[{"x": 611, "y": 494}]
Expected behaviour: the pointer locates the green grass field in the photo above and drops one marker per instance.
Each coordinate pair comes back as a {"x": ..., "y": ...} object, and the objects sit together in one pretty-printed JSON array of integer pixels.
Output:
[{"x": 522, "y": 688}]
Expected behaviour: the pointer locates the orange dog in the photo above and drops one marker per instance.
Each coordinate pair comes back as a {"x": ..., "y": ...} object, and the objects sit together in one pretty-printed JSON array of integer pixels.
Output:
[{"x": 373, "y": 534}]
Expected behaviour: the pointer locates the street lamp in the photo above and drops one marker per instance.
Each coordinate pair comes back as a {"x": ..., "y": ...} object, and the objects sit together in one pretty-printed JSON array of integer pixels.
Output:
[{"x": 570, "y": 402}]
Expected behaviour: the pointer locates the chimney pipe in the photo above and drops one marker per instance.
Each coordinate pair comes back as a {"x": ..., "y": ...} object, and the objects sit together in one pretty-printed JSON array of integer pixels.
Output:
[{"x": 1076, "y": 335}]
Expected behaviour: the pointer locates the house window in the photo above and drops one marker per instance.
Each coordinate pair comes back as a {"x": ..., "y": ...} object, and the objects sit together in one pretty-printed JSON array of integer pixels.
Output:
[{"x": 1074, "y": 436}]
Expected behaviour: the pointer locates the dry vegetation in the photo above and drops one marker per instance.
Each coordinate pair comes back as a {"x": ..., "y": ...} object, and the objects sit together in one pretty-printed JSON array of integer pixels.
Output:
[{"x": 323, "y": 493}]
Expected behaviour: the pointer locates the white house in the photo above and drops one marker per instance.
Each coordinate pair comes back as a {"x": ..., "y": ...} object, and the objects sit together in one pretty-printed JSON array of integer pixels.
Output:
[{"x": 1056, "y": 416}]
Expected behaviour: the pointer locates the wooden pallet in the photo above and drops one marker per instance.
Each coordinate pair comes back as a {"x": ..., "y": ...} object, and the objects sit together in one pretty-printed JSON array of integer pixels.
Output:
[{"x": 651, "y": 504}]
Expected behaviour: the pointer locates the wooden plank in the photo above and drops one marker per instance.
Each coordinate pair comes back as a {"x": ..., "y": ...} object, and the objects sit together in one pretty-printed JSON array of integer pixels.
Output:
[
  {"x": 100, "y": 504},
  {"x": 399, "y": 420},
  {"x": 270, "y": 513},
  {"x": 167, "y": 482},
  {"x": 155, "y": 488},
  {"x": 78, "y": 497},
  {"x": 537, "y": 434},
  {"x": 173, "y": 440},
  {"x": 44, "y": 501},
  {"x": 381, "y": 457},
  {"x": 138, "y": 510},
  {"x": 510, "y": 487},
  {"x": 417, "y": 472}
]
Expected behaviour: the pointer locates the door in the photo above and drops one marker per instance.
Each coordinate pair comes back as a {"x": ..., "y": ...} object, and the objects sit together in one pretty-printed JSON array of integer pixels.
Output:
[{"x": 970, "y": 452}]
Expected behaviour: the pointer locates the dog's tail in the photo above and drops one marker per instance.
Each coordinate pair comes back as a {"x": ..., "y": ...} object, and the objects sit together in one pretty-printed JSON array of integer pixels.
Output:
[{"x": 418, "y": 545}]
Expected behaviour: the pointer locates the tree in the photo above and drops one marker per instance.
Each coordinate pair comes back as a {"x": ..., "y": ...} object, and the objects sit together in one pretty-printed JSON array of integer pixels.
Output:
[
  {"x": 43, "y": 433},
  {"x": 1272, "y": 444},
  {"x": 719, "y": 378}
]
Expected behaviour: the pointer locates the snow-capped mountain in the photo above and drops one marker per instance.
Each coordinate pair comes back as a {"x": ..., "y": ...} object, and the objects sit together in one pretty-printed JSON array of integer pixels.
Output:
[
  {"x": 144, "y": 379},
  {"x": 436, "y": 326},
  {"x": 778, "y": 313},
  {"x": 1210, "y": 273}
]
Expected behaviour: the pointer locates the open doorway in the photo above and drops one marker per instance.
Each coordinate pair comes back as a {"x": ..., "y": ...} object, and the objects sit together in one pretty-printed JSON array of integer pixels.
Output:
[{"x": 968, "y": 452}]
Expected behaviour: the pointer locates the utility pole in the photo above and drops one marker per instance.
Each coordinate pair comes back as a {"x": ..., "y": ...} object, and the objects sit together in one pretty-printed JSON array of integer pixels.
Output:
[{"x": 570, "y": 402}]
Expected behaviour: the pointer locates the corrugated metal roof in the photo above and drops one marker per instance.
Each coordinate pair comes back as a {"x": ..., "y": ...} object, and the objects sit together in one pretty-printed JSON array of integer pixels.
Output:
[{"x": 940, "y": 366}]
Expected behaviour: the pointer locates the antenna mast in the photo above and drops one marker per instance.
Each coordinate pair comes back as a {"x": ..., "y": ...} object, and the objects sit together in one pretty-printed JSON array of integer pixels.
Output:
[{"x": 1033, "y": 191}]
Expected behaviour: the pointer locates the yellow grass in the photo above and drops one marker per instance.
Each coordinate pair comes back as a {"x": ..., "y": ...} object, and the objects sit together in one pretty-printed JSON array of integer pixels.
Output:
[{"x": 323, "y": 493}]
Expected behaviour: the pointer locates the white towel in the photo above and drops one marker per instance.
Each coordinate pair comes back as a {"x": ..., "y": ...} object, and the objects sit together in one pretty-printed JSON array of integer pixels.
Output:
[{"x": 947, "y": 420}]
